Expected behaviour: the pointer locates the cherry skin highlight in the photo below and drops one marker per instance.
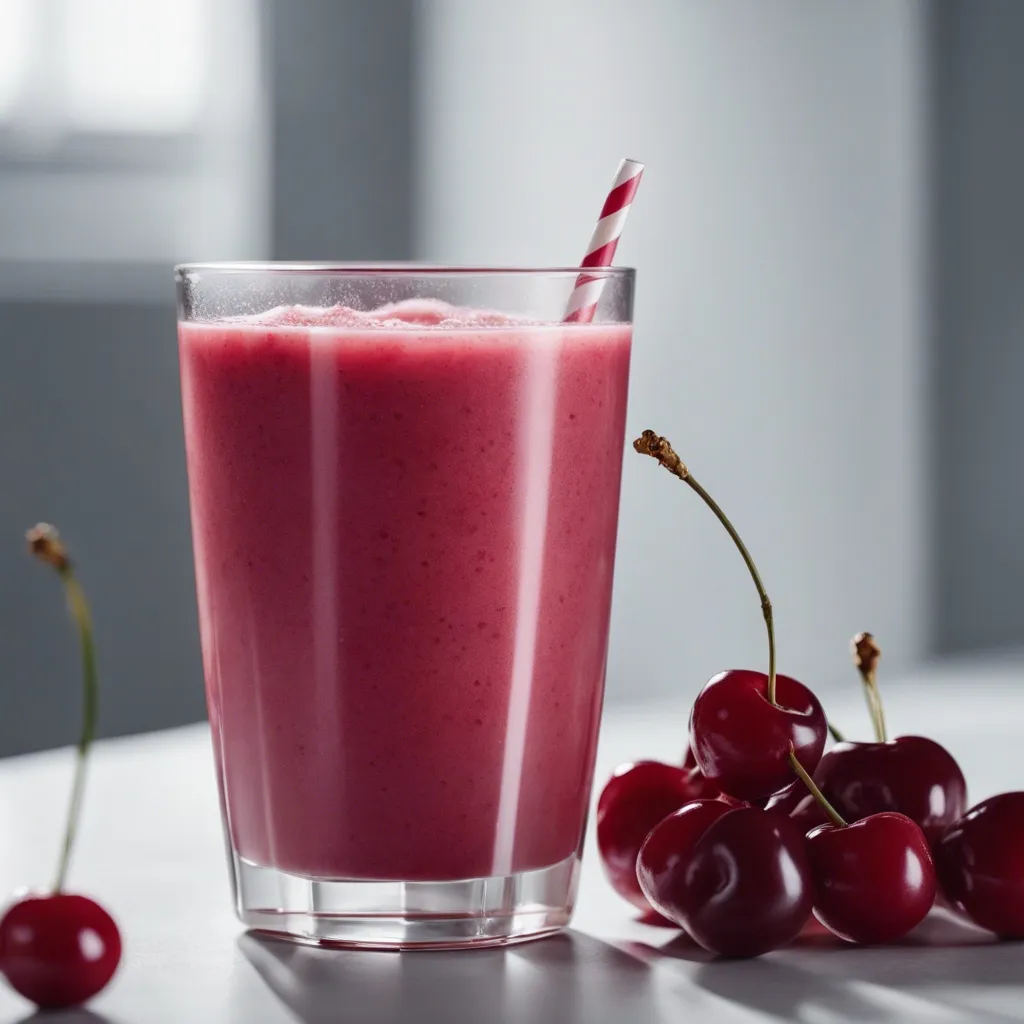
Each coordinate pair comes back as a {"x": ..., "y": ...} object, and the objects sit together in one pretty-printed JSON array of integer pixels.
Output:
[
  {"x": 874, "y": 880},
  {"x": 634, "y": 800},
  {"x": 980, "y": 861},
  {"x": 742, "y": 742},
  {"x": 58, "y": 950}
]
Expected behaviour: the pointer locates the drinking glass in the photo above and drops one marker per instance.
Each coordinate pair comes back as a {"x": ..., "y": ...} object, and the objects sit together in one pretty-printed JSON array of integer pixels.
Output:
[{"x": 404, "y": 487}]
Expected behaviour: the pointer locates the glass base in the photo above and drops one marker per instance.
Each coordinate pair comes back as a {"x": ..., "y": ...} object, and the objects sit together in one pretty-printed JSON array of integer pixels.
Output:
[{"x": 469, "y": 913}]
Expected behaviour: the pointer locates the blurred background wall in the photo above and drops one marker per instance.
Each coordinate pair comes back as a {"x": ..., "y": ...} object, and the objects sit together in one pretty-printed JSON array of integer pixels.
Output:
[{"x": 827, "y": 320}]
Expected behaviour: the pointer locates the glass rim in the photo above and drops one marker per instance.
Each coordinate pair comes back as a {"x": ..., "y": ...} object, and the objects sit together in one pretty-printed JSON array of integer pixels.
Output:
[{"x": 394, "y": 269}]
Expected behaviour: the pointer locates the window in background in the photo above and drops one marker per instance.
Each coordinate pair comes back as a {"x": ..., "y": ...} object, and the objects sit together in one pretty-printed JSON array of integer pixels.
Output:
[{"x": 131, "y": 131}]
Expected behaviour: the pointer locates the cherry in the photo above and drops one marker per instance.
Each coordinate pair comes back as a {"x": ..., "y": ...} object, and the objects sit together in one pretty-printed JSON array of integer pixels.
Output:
[
  {"x": 874, "y": 879},
  {"x": 634, "y": 800},
  {"x": 912, "y": 775},
  {"x": 744, "y": 724},
  {"x": 742, "y": 740},
  {"x": 744, "y": 888},
  {"x": 663, "y": 856},
  {"x": 980, "y": 861},
  {"x": 58, "y": 950}
]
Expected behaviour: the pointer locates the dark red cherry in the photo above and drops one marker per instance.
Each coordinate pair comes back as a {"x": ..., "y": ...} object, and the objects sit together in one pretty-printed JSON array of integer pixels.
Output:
[
  {"x": 664, "y": 854},
  {"x": 786, "y": 800},
  {"x": 58, "y": 950},
  {"x": 797, "y": 803},
  {"x": 742, "y": 742},
  {"x": 635, "y": 799},
  {"x": 911, "y": 775},
  {"x": 980, "y": 861},
  {"x": 874, "y": 879},
  {"x": 745, "y": 886}
]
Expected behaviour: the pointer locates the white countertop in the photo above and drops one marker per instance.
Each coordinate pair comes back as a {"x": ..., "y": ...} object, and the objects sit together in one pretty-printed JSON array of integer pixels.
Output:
[{"x": 151, "y": 851}]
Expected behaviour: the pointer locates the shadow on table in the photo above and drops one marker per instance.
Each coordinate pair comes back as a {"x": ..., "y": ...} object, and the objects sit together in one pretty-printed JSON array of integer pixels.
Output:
[
  {"x": 568, "y": 977},
  {"x": 945, "y": 966},
  {"x": 76, "y": 1015},
  {"x": 944, "y": 969}
]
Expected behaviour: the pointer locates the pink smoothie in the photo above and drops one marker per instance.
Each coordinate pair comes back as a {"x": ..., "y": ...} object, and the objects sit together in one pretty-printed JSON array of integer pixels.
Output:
[{"x": 404, "y": 527}]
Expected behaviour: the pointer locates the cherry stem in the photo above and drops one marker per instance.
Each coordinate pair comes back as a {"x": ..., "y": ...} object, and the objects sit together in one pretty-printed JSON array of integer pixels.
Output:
[
  {"x": 660, "y": 449},
  {"x": 866, "y": 653},
  {"x": 46, "y": 545},
  {"x": 835, "y": 733},
  {"x": 837, "y": 818}
]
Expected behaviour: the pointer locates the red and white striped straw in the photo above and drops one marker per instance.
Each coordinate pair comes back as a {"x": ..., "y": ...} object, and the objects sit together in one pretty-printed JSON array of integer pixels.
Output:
[{"x": 601, "y": 250}]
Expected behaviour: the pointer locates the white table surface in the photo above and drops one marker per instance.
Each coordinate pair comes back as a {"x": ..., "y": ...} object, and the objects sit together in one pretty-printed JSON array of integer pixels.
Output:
[{"x": 151, "y": 850}]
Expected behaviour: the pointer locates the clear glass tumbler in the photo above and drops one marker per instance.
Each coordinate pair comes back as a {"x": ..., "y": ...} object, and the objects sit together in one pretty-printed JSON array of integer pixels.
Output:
[{"x": 404, "y": 486}]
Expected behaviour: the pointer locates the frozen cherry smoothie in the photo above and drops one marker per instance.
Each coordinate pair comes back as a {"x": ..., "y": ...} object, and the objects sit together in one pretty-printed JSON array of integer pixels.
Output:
[{"x": 404, "y": 524}]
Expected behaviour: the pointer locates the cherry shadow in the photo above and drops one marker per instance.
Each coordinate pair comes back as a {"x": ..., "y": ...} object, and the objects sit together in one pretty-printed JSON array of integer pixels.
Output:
[
  {"x": 783, "y": 992},
  {"x": 567, "y": 977},
  {"x": 679, "y": 947},
  {"x": 75, "y": 1015},
  {"x": 653, "y": 919},
  {"x": 946, "y": 963}
]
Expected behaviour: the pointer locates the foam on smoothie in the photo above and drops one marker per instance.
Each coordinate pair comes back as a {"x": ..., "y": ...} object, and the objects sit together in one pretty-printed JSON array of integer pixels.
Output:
[{"x": 411, "y": 314}]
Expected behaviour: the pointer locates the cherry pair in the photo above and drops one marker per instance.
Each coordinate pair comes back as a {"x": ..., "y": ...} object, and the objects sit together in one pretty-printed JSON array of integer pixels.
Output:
[{"x": 59, "y": 949}]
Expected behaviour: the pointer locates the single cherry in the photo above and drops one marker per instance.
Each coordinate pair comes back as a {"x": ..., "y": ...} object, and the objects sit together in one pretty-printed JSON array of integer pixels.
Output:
[
  {"x": 741, "y": 889},
  {"x": 874, "y": 879},
  {"x": 980, "y": 861},
  {"x": 59, "y": 949},
  {"x": 744, "y": 724},
  {"x": 634, "y": 800},
  {"x": 911, "y": 775},
  {"x": 742, "y": 739}
]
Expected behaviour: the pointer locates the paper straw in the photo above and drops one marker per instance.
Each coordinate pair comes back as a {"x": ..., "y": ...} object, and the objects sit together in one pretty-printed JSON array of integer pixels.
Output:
[{"x": 601, "y": 250}]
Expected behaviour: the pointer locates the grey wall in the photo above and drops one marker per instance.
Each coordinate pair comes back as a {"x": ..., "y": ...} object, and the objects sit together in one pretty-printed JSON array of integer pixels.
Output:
[
  {"x": 977, "y": 480},
  {"x": 779, "y": 328},
  {"x": 90, "y": 439},
  {"x": 340, "y": 78}
]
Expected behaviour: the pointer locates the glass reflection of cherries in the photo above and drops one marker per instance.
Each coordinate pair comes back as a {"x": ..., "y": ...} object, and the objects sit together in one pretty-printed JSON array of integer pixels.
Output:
[
  {"x": 760, "y": 826},
  {"x": 57, "y": 948}
]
